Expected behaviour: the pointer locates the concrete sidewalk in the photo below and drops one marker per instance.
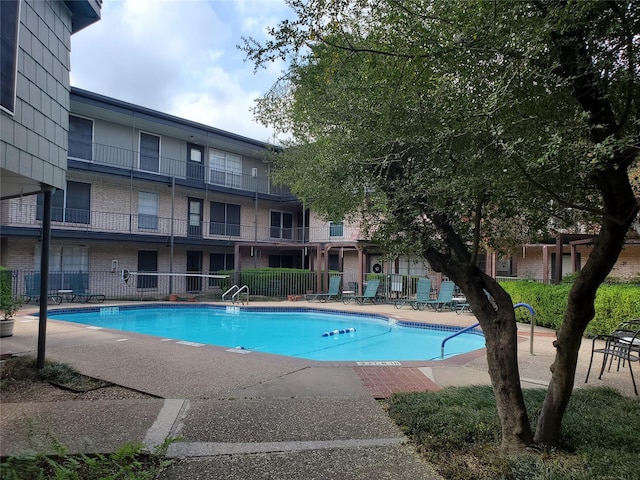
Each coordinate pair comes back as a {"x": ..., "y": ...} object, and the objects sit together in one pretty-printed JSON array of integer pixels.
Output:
[{"x": 249, "y": 416}]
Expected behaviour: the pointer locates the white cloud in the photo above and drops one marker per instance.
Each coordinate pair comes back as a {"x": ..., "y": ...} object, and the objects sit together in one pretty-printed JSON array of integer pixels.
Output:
[{"x": 179, "y": 57}]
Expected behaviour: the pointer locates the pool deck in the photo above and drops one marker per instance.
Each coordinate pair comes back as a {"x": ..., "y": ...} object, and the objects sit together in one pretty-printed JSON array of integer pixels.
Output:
[{"x": 253, "y": 415}]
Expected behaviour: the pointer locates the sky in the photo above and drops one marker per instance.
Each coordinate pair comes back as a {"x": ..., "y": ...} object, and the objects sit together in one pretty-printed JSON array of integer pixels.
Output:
[{"x": 180, "y": 57}]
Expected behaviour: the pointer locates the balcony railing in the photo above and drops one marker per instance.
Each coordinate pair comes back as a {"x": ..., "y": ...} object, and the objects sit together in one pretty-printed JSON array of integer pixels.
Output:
[
  {"x": 15, "y": 214},
  {"x": 178, "y": 168}
]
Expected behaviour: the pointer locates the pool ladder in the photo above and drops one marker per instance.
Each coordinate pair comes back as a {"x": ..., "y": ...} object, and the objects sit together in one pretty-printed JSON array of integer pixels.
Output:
[{"x": 236, "y": 291}]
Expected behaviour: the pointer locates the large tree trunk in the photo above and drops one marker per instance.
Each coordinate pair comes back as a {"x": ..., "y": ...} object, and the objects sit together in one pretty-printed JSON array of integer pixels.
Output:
[
  {"x": 498, "y": 323},
  {"x": 622, "y": 210},
  {"x": 502, "y": 357}
]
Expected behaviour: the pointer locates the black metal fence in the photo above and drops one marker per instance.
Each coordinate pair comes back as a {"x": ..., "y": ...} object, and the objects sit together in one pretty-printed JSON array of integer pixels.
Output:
[{"x": 266, "y": 284}]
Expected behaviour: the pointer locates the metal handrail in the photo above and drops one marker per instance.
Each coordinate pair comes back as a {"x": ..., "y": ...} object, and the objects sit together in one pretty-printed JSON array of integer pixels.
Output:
[
  {"x": 235, "y": 296},
  {"x": 231, "y": 289},
  {"x": 517, "y": 305},
  {"x": 533, "y": 323},
  {"x": 455, "y": 335}
]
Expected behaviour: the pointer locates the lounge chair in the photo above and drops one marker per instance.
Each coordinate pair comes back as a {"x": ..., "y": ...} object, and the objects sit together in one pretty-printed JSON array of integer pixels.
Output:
[
  {"x": 445, "y": 297},
  {"x": 79, "y": 291},
  {"x": 369, "y": 294},
  {"x": 460, "y": 304},
  {"x": 623, "y": 344},
  {"x": 332, "y": 294},
  {"x": 32, "y": 290},
  {"x": 423, "y": 294}
]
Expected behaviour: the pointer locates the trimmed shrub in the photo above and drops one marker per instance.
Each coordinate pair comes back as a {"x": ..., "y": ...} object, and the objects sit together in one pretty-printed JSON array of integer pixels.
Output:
[
  {"x": 278, "y": 282},
  {"x": 614, "y": 304}
]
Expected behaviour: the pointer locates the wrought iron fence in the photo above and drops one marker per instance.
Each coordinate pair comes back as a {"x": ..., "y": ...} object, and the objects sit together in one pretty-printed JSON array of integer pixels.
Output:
[{"x": 203, "y": 286}]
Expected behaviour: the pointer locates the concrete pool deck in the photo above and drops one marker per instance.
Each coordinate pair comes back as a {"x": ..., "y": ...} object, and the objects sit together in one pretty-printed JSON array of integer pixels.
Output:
[{"x": 253, "y": 415}]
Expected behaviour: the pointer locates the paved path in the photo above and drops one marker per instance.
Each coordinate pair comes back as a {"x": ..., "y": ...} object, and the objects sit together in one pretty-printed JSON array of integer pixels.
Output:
[{"x": 250, "y": 416}]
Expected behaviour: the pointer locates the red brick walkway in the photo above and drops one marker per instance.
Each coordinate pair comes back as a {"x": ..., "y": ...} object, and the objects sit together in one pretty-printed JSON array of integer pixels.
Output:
[{"x": 383, "y": 381}]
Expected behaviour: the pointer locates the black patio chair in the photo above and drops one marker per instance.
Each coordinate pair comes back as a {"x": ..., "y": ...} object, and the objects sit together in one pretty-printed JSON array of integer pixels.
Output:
[{"x": 623, "y": 346}]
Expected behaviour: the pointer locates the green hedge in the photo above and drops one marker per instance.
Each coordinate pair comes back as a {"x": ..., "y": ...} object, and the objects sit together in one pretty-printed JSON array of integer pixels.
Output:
[
  {"x": 614, "y": 304},
  {"x": 275, "y": 282},
  {"x": 6, "y": 290}
]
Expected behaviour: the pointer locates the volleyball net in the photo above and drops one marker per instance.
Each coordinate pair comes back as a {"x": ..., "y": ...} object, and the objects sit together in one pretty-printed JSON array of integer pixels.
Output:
[{"x": 126, "y": 274}]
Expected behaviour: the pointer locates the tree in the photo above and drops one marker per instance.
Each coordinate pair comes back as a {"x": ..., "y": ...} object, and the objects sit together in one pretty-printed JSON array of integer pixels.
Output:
[{"x": 448, "y": 126}]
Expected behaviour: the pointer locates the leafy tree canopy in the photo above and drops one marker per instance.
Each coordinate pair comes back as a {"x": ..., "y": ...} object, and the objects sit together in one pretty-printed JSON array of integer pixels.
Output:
[{"x": 455, "y": 109}]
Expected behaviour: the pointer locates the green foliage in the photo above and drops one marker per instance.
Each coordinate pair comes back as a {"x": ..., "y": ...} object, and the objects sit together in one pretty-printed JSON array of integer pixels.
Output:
[
  {"x": 23, "y": 368},
  {"x": 8, "y": 304},
  {"x": 614, "y": 304},
  {"x": 277, "y": 282},
  {"x": 450, "y": 415},
  {"x": 451, "y": 109},
  {"x": 457, "y": 430},
  {"x": 129, "y": 462}
]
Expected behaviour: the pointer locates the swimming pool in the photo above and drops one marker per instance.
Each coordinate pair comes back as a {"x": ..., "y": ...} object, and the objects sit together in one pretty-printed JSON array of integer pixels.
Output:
[{"x": 295, "y": 332}]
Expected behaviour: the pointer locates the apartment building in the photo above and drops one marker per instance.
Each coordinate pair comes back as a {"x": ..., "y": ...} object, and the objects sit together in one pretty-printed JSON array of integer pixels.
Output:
[{"x": 150, "y": 192}]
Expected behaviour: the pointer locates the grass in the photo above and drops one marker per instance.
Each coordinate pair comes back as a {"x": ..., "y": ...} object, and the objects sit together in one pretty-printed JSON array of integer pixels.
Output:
[
  {"x": 23, "y": 369},
  {"x": 131, "y": 461},
  {"x": 457, "y": 430}
]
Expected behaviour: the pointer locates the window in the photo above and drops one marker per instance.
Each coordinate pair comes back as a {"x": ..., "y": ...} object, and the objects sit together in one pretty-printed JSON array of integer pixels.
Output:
[
  {"x": 224, "y": 219},
  {"x": 219, "y": 262},
  {"x": 9, "y": 25},
  {"x": 194, "y": 265},
  {"x": 336, "y": 229},
  {"x": 148, "y": 211},
  {"x": 195, "y": 218},
  {"x": 77, "y": 195},
  {"x": 195, "y": 167},
  {"x": 147, "y": 262},
  {"x": 80, "y": 138},
  {"x": 149, "y": 152},
  {"x": 64, "y": 263},
  {"x": 280, "y": 261},
  {"x": 334, "y": 263},
  {"x": 225, "y": 169},
  {"x": 281, "y": 225}
]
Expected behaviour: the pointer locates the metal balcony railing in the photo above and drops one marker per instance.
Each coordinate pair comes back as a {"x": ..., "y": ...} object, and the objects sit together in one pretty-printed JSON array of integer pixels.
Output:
[
  {"x": 16, "y": 214},
  {"x": 178, "y": 168}
]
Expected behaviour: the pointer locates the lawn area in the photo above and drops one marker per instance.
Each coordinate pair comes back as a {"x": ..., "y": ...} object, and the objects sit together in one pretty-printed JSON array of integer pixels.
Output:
[{"x": 457, "y": 430}]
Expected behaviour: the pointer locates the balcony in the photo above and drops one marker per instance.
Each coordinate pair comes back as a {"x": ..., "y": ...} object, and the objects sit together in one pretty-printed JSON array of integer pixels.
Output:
[
  {"x": 16, "y": 214},
  {"x": 131, "y": 160}
]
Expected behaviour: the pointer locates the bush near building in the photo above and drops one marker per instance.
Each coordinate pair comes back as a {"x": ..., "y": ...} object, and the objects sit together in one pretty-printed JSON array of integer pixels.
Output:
[{"x": 614, "y": 304}]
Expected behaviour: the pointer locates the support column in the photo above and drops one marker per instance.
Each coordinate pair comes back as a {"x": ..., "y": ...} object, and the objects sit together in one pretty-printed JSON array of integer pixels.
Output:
[
  {"x": 236, "y": 263},
  {"x": 574, "y": 257},
  {"x": 319, "y": 250},
  {"x": 494, "y": 264},
  {"x": 360, "y": 276},
  {"x": 325, "y": 275},
  {"x": 44, "y": 275},
  {"x": 557, "y": 278}
]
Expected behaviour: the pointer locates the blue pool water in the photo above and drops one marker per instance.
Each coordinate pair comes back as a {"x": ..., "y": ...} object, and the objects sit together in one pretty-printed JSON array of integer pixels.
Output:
[{"x": 304, "y": 333}]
